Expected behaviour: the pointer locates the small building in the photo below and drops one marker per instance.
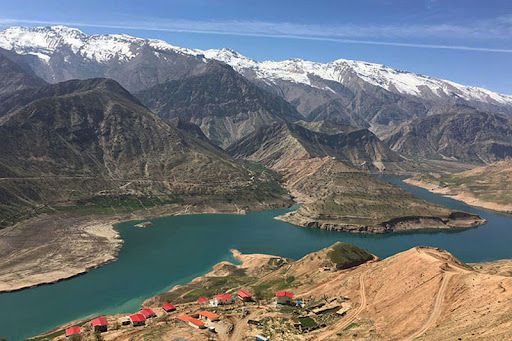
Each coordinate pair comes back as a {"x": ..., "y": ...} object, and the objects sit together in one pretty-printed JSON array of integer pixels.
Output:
[
  {"x": 284, "y": 297},
  {"x": 193, "y": 322},
  {"x": 138, "y": 320},
  {"x": 209, "y": 316},
  {"x": 261, "y": 338},
  {"x": 202, "y": 300},
  {"x": 74, "y": 330},
  {"x": 99, "y": 324},
  {"x": 244, "y": 295},
  {"x": 168, "y": 307},
  {"x": 221, "y": 299},
  {"x": 125, "y": 321},
  {"x": 147, "y": 312}
]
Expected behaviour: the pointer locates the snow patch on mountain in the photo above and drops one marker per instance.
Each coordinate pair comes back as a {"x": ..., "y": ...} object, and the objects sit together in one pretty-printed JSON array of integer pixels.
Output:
[
  {"x": 408, "y": 83},
  {"x": 44, "y": 42}
]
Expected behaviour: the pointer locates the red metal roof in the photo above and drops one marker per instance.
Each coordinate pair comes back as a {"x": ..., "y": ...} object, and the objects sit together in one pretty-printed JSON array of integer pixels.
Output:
[
  {"x": 190, "y": 319},
  {"x": 284, "y": 294},
  {"x": 72, "y": 330},
  {"x": 168, "y": 307},
  {"x": 202, "y": 299},
  {"x": 244, "y": 293},
  {"x": 137, "y": 318},
  {"x": 224, "y": 297},
  {"x": 147, "y": 312},
  {"x": 99, "y": 321}
]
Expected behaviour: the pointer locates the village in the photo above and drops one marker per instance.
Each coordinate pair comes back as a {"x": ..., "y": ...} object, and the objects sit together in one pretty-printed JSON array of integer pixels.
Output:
[
  {"x": 341, "y": 292},
  {"x": 219, "y": 317},
  {"x": 261, "y": 299}
]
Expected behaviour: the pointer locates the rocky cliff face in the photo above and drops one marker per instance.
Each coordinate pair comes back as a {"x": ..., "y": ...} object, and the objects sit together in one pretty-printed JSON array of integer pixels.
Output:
[
  {"x": 461, "y": 134},
  {"x": 225, "y": 105},
  {"x": 276, "y": 145},
  {"x": 15, "y": 76},
  {"x": 91, "y": 140}
]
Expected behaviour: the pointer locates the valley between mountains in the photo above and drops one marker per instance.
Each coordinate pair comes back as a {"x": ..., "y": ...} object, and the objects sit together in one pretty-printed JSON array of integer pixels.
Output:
[
  {"x": 101, "y": 129},
  {"x": 198, "y": 131}
]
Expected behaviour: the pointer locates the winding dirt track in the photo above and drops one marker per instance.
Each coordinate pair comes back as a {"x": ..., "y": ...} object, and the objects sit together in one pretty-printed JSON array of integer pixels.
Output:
[
  {"x": 436, "y": 310},
  {"x": 346, "y": 322},
  {"x": 438, "y": 303}
]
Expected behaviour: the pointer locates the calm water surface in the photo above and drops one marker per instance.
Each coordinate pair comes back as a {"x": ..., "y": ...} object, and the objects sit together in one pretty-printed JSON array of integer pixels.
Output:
[{"x": 177, "y": 249}]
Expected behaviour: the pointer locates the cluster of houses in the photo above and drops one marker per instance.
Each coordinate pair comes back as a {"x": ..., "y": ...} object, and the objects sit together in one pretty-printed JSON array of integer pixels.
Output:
[
  {"x": 100, "y": 324},
  {"x": 199, "y": 320}
]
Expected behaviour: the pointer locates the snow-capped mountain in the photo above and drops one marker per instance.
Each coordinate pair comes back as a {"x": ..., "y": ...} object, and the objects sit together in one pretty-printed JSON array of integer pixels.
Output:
[
  {"x": 59, "y": 53},
  {"x": 44, "y": 42},
  {"x": 403, "y": 82},
  {"x": 352, "y": 92}
]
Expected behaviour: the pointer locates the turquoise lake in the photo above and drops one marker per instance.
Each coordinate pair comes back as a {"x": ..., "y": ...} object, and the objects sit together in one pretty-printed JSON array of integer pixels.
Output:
[{"x": 177, "y": 249}]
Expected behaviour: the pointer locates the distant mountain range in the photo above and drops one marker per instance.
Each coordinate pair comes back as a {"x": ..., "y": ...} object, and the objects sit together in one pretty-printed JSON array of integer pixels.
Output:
[
  {"x": 251, "y": 94},
  {"x": 85, "y": 119}
]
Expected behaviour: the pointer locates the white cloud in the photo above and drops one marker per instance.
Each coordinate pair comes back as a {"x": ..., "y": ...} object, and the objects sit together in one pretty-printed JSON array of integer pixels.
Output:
[{"x": 497, "y": 29}]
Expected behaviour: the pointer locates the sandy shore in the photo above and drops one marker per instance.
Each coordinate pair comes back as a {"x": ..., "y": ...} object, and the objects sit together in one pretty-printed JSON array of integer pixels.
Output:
[{"x": 463, "y": 196}]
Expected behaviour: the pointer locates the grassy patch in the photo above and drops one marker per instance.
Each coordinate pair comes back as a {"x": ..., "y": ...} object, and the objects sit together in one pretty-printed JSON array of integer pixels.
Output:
[
  {"x": 208, "y": 287},
  {"x": 345, "y": 255},
  {"x": 307, "y": 322},
  {"x": 267, "y": 289}
]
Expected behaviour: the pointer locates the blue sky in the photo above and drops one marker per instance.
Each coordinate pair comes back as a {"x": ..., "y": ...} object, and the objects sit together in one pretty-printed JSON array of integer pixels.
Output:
[{"x": 466, "y": 41}]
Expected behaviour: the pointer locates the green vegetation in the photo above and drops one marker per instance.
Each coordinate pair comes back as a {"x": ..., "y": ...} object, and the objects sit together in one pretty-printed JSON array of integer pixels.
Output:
[
  {"x": 307, "y": 322},
  {"x": 113, "y": 204},
  {"x": 345, "y": 255},
  {"x": 267, "y": 289},
  {"x": 352, "y": 325},
  {"x": 209, "y": 287}
]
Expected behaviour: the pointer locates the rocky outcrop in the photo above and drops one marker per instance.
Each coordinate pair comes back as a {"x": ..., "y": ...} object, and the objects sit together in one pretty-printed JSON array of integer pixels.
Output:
[
  {"x": 461, "y": 133},
  {"x": 454, "y": 221},
  {"x": 225, "y": 105},
  {"x": 278, "y": 144}
]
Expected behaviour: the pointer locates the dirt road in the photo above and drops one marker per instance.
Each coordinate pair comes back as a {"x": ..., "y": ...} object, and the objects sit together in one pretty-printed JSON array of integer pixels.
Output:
[{"x": 344, "y": 323}]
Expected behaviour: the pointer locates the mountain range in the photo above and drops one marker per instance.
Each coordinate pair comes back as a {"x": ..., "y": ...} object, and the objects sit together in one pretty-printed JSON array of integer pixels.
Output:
[
  {"x": 360, "y": 94},
  {"x": 90, "y": 141},
  {"x": 88, "y": 119}
]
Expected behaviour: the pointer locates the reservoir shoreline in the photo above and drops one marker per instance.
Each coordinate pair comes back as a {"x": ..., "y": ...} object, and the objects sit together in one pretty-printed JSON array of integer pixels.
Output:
[
  {"x": 465, "y": 197},
  {"x": 177, "y": 249}
]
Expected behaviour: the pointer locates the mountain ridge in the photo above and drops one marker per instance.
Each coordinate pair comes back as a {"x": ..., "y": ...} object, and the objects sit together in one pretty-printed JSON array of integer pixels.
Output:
[
  {"x": 44, "y": 41},
  {"x": 223, "y": 103}
]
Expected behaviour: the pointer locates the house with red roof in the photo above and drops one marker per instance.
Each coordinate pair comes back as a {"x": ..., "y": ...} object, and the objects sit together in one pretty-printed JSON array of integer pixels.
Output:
[
  {"x": 221, "y": 299},
  {"x": 191, "y": 321},
  {"x": 99, "y": 324},
  {"x": 74, "y": 330},
  {"x": 284, "y": 297},
  {"x": 147, "y": 312},
  {"x": 202, "y": 300},
  {"x": 138, "y": 319},
  {"x": 209, "y": 316},
  {"x": 168, "y": 307},
  {"x": 244, "y": 295}
]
